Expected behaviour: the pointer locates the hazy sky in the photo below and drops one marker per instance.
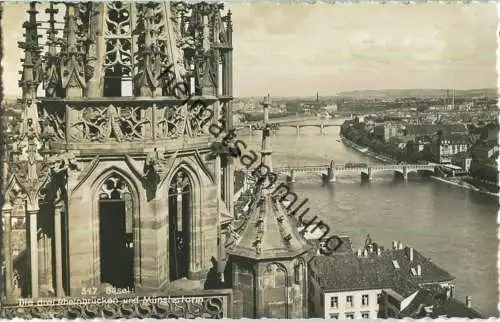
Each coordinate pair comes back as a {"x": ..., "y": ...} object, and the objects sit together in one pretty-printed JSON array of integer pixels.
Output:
[{"x": 298, "y": 49}]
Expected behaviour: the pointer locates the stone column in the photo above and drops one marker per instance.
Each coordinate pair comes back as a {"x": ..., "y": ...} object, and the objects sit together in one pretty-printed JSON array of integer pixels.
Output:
[
  {"x": 33, "y": 250},
  {"x": 227, "y": 84},
  {"x": 7, "y": 251},
  {"x": 97, "y": 50},
  {"x": 58, "y": 249}
]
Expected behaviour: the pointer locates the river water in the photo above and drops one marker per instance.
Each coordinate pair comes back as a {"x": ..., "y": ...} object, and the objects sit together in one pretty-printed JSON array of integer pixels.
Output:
[{"x": 456, "y": 228}]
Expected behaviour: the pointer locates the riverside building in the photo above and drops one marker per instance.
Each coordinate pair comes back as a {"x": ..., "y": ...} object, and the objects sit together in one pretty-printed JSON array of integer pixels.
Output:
[{"x": 347, "y": 285}]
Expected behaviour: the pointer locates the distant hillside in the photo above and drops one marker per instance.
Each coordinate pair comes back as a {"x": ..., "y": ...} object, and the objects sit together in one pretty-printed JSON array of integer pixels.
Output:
[{"x": 394, "y": 93}]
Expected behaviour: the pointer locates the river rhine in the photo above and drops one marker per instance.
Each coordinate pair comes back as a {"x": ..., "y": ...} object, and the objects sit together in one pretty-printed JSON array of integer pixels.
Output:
[{"x": 456, "y": 228}]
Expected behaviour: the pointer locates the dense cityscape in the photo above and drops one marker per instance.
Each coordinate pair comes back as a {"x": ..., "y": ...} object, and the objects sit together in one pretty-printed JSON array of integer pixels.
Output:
[{"x": 128, "y": 194}]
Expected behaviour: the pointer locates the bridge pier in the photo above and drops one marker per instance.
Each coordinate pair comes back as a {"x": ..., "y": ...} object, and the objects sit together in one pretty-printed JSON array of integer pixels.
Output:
[
  {"x": 321, "y": 129},
  {"x": 291, "y": 178},
  {"x": 297, "y": 130},
  {"x": 251, "y": 130},
  {"x": 367, "y": 176},
  {"x": 332, "y": 173}
]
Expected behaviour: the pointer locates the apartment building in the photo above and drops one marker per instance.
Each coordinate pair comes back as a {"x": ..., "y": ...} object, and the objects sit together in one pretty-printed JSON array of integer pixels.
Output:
[
  {"x": 415, "y": 302},
  {"x": 350, "y": 285},
  {"x": 444, "y": 147}
]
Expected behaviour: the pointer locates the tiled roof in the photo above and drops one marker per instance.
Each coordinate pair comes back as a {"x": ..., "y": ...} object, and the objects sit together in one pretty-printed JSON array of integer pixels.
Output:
[
  {"x": 351, "y": 272},
  {"x": 457, "y": 138},
  {"x": 430, "y": 129},
  {"x": 345, "y": 245},
  {"x": 437, "y": 305},
  {"x": 267, "y": 232}
]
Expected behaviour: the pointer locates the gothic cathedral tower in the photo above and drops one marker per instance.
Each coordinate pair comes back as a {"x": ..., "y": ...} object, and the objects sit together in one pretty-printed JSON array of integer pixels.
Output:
[{"x": 108, "y": 174}]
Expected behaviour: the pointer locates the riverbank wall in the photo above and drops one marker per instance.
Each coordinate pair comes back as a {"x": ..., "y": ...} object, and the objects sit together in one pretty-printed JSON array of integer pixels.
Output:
[
  {"x": 457, "y": 182},
  {"x": 366, "y": 151}
]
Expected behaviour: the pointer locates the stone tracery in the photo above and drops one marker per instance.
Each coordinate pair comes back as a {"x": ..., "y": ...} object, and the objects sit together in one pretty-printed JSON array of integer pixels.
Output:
[{"x": 98, "y": 51}]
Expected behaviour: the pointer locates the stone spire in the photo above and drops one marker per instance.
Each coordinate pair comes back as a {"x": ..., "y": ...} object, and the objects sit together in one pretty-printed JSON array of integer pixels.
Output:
[
  {"x": 267, "y": 150},
  {"x": 52, "y": 80},
  {"x": 31, "y": 74},
  {"x": 268, "y": 233},
  {"x": 269, "y": 256}
]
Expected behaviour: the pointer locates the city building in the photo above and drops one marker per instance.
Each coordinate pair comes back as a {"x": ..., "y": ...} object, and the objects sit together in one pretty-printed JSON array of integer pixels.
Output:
[
  {"x": 484, "y": 150},
  {"x": 418, "y": 130},
  {"x": 330, "y": 108},
  {"x": 388, "y": 130},
  {"x": 444, "y": 147},
  {"x": 415, "y": 302},
  {"x": 349, "y": 285}
]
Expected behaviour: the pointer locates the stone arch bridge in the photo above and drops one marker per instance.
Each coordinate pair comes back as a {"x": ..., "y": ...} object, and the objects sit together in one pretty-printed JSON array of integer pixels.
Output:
[
  {"x": 296, "y": 124},
  {"x": 330, "y": 172}
]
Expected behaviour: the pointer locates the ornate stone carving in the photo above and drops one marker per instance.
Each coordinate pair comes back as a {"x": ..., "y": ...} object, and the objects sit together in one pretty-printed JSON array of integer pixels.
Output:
[
  {"x": 53, "y": 123},
  {"x": 179, "y": 182},
  {"x": 26, "y": 165},
  {"x": 16, "y": 192},
  {"x": 198, "y": 119},
  {"x": 149, "y": 55},
  {"x": 57, "y": 167},
  {"x": 153, "y": 166},
  {"x": 171, "y": 121},
  {"x": 51, "y": 79},
  {"x": 133, "y": 122},
  {"x": 118, "y": 37},
  {"x": 104, "y": 123},
  {"x": 113, "y": 188},
  {"x": 206, "y": 75},
  {"x": 71, "y": 63}
]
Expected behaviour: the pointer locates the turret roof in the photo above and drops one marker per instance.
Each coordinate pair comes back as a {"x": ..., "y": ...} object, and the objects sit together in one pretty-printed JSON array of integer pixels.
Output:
[{"x": 267, "y": 232}]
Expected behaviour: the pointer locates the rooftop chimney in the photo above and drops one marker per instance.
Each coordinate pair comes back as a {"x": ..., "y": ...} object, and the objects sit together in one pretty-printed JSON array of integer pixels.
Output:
[
  {"x": 410, "y": 253},
  {"x": 359, "y": 252},
  {"x": 394, "y": 245},
  {"x": 400, "y": 244},
  {"x": 468, "y": 301},
  {"x": 419, "y": 270}
]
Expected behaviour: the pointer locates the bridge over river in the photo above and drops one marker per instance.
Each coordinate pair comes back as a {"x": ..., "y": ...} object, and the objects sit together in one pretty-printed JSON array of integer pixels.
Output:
[
  {"x": 329, "y": 173},
  {"x": 295, "y": 122}
]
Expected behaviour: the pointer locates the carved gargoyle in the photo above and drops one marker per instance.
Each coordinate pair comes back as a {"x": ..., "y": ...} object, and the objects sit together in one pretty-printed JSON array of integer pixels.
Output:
[
  {"x": 153, "y": 166},
  {"x": 58, "y": 167}
]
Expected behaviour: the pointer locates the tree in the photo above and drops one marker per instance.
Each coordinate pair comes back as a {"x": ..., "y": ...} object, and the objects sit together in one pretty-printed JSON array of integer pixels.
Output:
[
  {"x": 426, "y": 153},
  {"x": 411, "y": 154}
]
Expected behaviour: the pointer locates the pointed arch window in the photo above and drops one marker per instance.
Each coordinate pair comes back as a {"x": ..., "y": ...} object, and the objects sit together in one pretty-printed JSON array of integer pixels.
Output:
[
  {"x": 116, "y": 232},
  {"x": 179, "y": 213}
]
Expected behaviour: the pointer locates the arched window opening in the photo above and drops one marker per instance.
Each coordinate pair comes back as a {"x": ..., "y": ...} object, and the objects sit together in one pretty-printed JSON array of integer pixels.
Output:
[
  {"x": 116, "y": 233},
  {"x": 179, "y": 214}
]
